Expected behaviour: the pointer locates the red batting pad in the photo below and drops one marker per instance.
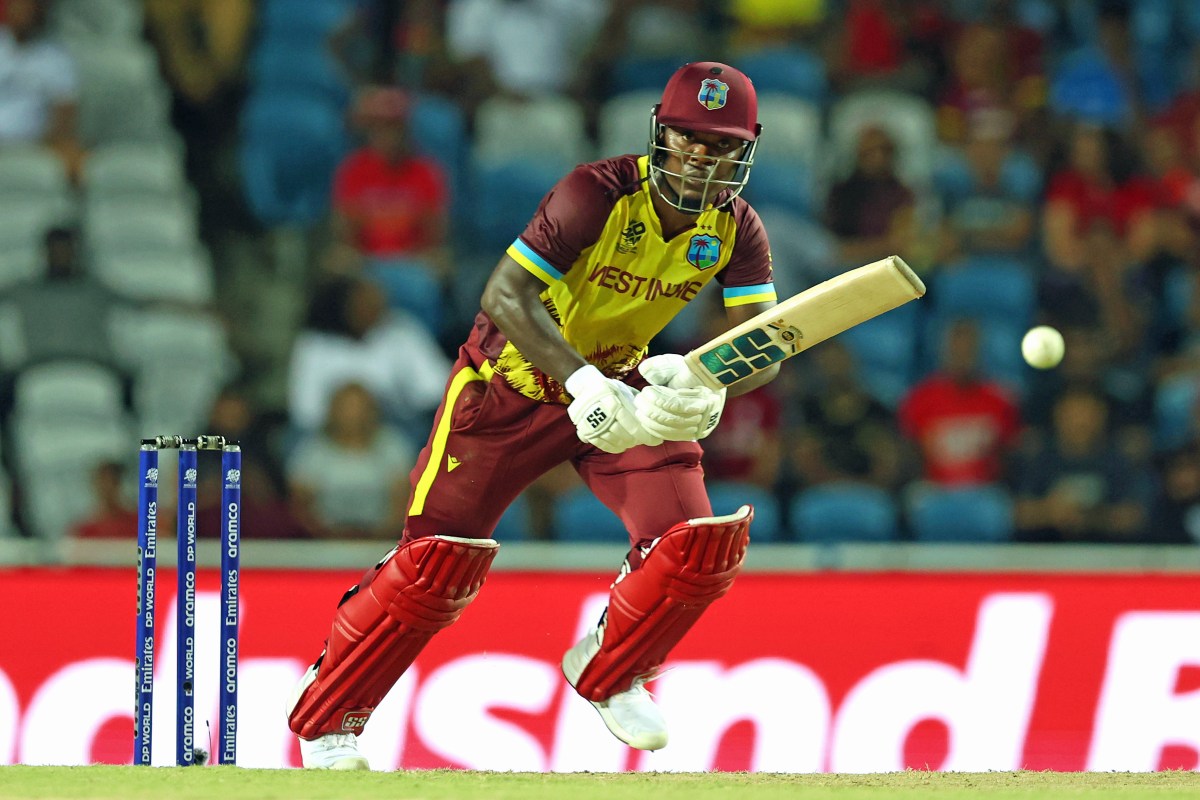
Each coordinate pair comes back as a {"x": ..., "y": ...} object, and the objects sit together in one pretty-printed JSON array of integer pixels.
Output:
[
  {"x": 651, "y": 608},
  {"x": 378, "y": 632}
]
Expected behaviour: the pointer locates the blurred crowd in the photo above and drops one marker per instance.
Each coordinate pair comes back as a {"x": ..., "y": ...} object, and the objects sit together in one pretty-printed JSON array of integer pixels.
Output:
[{"x": 272, "y": 220}]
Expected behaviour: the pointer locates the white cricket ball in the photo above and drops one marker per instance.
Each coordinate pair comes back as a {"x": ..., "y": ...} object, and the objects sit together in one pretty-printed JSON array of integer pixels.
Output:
[{"x": 1043, "y": 347}]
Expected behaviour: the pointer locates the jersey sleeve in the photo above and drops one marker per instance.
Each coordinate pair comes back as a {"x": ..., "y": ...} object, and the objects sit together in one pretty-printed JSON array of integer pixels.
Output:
[
  {"x": 569, "y": 220},
  {"x": 748, "y": 277}
]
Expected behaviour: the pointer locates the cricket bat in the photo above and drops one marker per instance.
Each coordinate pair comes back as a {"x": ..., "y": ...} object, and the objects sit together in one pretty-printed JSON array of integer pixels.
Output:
[{"x": 805, "y": 319}]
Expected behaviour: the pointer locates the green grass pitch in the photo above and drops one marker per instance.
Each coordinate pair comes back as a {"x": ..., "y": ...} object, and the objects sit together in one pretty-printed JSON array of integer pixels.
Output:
[{"x": 231, "y": 783}]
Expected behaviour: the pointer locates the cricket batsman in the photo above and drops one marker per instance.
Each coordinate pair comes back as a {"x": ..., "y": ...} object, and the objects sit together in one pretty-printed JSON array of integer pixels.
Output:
[{"x": 555, "y": 370}]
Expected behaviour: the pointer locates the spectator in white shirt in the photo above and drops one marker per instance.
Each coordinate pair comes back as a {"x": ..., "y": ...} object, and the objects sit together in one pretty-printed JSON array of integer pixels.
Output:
[
  {"x": 351, "y": 336},
  {"x": 39, "y": 85},
  {"x": 351, "y": 479}
]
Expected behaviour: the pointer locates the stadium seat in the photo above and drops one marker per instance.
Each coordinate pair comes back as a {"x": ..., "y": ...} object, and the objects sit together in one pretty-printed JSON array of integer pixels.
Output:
[
  {"x": 785, "y": 168},
  {"x": 791, "y": 128},
  {"x": 14, "y": 350},
  {"x": 624, "y": 122},
  {"x": 122, "y": 97},
  {"x": 506, "y": 196},
  {"x": 291, "y": 146},
  {"x": 1176, "y": 408},
  {"x": 8, "y": 525},
  {"x": 78, "y": 390},
  {"x": 177, "y": 276},
  {"x": 580, "y": 517},
  {"x": 1178, "y": 292},
  {"x": 24, "y": 221},
  {"x": 438, "y": 128},
  {"x": 514, "y": 524},
  {"x": 542, "y": 128},
  {"x": 990, "y": 287},
  {"x": 728, "y": 496},
  {"x": 116, "y": 22},
  {"x": 411, "y": 285},
  {"x": 297, "y": 67},
  {"x": 135, "y": 170},
  {"x": 122, "y": 225},
  {"x": 54, "y": 464},
  {"x": 794, "y": 70},
  {"x": 845, "y": 511},
  {"x": 23, "y": 263},
  {"x": 887, "y": 351},
  {"x": 634, "y": 73},
  {"x": 960, "y": 514},
  {"x": 180, "y": 361},
  {"x": 32, "y": 171}
]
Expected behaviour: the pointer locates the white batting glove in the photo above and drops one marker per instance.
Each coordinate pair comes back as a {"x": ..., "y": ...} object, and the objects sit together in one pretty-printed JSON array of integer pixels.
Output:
[
  {"x": 677, "y": 407},
  {"x": 604, "y": 412},
  {"x": 670, "y": 370}
]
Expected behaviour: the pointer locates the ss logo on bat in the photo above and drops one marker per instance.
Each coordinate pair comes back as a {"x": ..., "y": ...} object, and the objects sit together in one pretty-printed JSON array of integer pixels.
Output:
[{"x": 746, "y": 354}]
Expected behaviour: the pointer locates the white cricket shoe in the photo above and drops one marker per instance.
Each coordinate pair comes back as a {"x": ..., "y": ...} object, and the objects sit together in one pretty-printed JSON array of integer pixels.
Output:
[
  {"x": 331, "y": 751},
  {"x": 631, "y": 715}
]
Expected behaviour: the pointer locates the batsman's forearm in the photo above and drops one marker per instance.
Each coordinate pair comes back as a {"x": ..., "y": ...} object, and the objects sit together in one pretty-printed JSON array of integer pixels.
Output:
[{"x": 518, "y": 311}]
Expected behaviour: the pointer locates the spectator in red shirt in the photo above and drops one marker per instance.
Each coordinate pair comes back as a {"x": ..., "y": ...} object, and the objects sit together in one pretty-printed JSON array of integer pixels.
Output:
[
  {"x": 388, "y": 202},
  {"x": 962, "y": 423},
  {"x": 1097, "y": 186}
]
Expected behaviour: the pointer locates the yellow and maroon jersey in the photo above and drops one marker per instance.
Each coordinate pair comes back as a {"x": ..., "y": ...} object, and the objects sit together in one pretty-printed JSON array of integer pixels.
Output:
[{"x": 612, "y": 282}]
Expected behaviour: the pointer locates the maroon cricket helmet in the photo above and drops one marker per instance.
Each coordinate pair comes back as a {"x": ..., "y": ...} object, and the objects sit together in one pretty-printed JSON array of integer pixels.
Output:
[{"x": 711, "y": 97}]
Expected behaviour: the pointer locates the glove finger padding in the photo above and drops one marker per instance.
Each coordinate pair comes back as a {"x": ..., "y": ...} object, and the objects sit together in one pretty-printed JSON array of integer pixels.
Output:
[
  {"x": 679, "y": 414},
  {"x": 668, "y": 369}
]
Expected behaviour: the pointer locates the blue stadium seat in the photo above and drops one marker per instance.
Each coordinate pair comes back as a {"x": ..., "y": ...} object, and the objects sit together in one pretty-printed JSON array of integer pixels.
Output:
[
  {"x": 844, "y": 512},
  {"x": 1178, "y": 290},
  {"x": 961, "y": 514},
  {"x": 438, "y": 128},
  {"x": 793, "y": 70},
  {"x": 624, "y": 122},
  {"x": 285, "y": 66},
  {"x": 514, "y": 525},
  {"x": 1157, "y": 44},
  {"x": 728, "y": 496},
  {"x": 580, "y": 517},
  {"x": 506, "y": 196},
  {"x": 291, "y": 146},
  {"x": 1175, "y": 409},
  {"x": 551, "y": 127},
  {"x": 637, "y": 73},
  {"x": 989, "y": 287},
  {"x": 410, "y": 285},
  {"x": 783, "y": 183},
  {"x": 886, "y": 350}
]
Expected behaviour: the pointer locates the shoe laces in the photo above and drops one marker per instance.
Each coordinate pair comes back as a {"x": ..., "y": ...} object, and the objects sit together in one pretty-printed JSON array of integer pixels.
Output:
[{"x": 333, "y": 740}]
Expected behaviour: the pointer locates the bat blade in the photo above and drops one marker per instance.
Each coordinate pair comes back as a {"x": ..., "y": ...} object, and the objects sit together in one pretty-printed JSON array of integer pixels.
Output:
[{"x": 803, "y": 320}]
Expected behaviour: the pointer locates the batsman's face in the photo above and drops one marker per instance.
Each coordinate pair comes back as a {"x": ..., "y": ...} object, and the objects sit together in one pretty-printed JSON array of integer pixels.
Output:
[{"x": 696, "y": 158}]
